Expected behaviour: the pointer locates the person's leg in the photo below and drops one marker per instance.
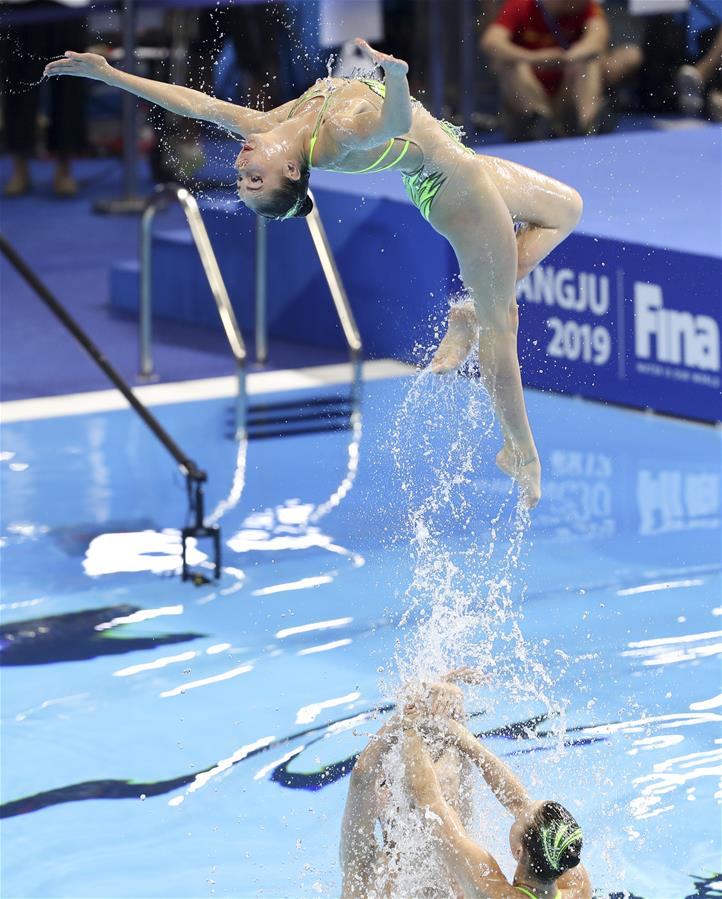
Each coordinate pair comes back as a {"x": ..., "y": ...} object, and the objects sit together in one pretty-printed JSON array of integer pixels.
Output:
[
  {"x": 711, "y": 61},
  {"x": 253, "y": 28},
  {"x": 476, "y": 221},
  {"x": 206, "y": 48},
  {"x": 526, "y": 105},
  {"x": 714, "y": 105},
  {"x": 67, "y": 131},
  {"x": 521, "y": 90},
  {"x": 549, "y": 209},
  {"x": 583, "y": 88},
  {"x": 620, "y": 63},
  {"x": 693, "y": 79}
]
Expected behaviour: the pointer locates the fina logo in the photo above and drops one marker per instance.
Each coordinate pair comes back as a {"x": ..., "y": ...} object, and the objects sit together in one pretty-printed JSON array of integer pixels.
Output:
[{"x": 671, "y": 336}]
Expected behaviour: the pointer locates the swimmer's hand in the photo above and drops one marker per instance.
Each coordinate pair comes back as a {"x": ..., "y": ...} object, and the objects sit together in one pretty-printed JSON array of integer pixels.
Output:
[
  {"x": 81, "y": 65},
  {"x": 389, "y": 64}
]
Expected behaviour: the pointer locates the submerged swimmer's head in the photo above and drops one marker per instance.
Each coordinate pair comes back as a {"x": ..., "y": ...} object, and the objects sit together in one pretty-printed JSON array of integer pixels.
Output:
[
  {"x": 546, "y": 840},
  {"x": 271, "y": 181}
]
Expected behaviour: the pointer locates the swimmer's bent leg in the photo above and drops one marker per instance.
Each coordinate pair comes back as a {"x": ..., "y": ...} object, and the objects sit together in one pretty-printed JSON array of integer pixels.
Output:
[{"x": 549, "y": 209}]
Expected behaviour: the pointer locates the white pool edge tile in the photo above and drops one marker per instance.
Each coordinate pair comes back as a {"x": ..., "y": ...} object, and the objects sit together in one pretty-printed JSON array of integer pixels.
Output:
[{"x": 195, "y": 391}]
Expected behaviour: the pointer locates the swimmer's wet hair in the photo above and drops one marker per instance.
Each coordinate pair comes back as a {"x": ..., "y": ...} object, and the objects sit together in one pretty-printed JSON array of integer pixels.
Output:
[
  {"x": 290, "y": 200},
  {"x": 553, "y": 841}
]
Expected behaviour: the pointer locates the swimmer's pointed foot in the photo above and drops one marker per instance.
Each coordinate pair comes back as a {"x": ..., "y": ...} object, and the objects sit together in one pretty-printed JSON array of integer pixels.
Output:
[
  {"x": 526, "y": 472},
  {"x": 460, "y": 337}
]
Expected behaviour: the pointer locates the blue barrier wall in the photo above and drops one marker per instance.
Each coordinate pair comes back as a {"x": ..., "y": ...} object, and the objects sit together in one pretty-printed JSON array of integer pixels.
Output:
[
  {"x": 625, "y": 323},
  {"x": 603, "y": 317}
]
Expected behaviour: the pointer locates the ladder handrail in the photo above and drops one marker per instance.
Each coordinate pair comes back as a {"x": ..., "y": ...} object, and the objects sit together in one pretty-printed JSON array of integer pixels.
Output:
[
  {"x": 160, "y": 197},
  {"x": 166, "y": 192},
  {"x": 333, "y": 280}
]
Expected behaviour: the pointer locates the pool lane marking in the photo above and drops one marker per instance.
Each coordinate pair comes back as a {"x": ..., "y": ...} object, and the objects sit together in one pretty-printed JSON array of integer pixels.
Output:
[
  {"x": 302, "y": 584},
  {"x": 307, "y": 714},
  {"x": 314, "y": 626},
  {"x": 661, "y": 585},
  {"x": 204, "y": 682},
  {"x": 324, "y": 647},
  {"x": 194, "y": 391}
]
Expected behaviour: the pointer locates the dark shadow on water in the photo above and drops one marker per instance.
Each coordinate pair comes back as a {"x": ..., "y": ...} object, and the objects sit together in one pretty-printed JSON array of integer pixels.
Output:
[
  {"x": 296, "y": 780},
  {"x": 312, "y": 781},
  {"x": 75, "y": 637}
]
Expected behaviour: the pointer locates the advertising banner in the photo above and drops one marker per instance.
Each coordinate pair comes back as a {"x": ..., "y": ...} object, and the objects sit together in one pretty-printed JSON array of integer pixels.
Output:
[{"x": 625, "y": 323}]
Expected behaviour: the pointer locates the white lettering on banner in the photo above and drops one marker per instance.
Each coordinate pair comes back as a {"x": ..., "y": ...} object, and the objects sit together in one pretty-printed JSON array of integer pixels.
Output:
[
  {"x": 671, "y": 500},
  {"x": 569, "y": 290},
  {"x": 672, "y": 336},
  {"x": 581, "y": 494},
  {"x": 573, "y": 341}
]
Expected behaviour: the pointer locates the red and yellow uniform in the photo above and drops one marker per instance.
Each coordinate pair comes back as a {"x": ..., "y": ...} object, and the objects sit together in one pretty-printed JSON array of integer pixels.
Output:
[{"x": 532, "y": 29}]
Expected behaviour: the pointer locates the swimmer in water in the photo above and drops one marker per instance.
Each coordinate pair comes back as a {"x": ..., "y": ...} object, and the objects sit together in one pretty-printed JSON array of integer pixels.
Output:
[
  {"x": 368, "y": 865},
  {"x": 362, "y": 126},
  {"x": 545, "y": 840}
]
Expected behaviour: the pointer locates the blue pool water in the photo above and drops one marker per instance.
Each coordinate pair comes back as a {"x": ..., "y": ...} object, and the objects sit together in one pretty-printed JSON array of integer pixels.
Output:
[{"x": 162, "y": 740}]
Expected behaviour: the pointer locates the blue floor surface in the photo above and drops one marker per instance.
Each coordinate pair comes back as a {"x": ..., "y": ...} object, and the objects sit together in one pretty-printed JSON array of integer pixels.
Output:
[{"x": 197, "y": 724}]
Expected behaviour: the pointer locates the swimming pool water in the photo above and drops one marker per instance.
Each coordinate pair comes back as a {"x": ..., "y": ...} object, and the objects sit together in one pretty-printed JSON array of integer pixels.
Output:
[{"x": 161, "y": 740}]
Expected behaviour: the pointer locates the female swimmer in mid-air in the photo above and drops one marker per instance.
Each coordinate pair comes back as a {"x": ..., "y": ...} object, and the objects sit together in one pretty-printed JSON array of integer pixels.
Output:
[
  {"x": 363, "y": 126},
  {"x": 545, "y": 839}
]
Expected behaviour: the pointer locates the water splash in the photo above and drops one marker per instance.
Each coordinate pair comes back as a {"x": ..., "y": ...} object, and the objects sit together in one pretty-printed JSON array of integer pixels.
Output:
[
  {"x": 468, "y": 534},
  {"x": 467, "y": 537}
]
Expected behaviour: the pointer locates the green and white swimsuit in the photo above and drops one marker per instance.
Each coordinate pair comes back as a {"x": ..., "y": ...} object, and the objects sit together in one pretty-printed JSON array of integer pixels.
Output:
[
  {"x": 531, "y": 895},
  {"x": 422, "y": 186}
]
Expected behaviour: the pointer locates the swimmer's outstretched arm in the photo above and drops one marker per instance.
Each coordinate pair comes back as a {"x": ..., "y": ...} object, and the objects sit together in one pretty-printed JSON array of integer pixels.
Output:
[
  {"x": 358, "y": 849},
  {"x": 369, "y": 129},
  {"x": 504, "y": 784},
  {"x": 467, "y": 862},
  {"x": 510, "y": 792},
  {"x": 181, "y": 100}
]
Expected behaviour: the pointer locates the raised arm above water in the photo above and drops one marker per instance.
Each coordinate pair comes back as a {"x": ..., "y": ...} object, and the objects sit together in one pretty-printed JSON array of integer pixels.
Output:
[{"x": 182, "y": 101}]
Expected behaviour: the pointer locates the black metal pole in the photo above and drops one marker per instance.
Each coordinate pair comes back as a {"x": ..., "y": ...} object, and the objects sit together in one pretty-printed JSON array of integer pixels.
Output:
[
  {"x": 130, "y": 202},
  {"x": 467, "y": 80},
  {"x": 130, "y": 105},
  {"x": 188, "y": 466},
  {"x": 436, "y": 51}
]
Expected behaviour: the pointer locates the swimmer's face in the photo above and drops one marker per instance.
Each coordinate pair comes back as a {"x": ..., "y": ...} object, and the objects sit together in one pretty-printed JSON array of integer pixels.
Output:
[
  {"x": 261, "y": 167},
  {"x": 516, "y": 833}
]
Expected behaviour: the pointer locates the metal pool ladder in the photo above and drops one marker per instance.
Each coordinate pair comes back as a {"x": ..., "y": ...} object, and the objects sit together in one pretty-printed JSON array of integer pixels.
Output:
[
  {"x": 162, "y": 194},
  {"x": 333, "y": 279}
]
